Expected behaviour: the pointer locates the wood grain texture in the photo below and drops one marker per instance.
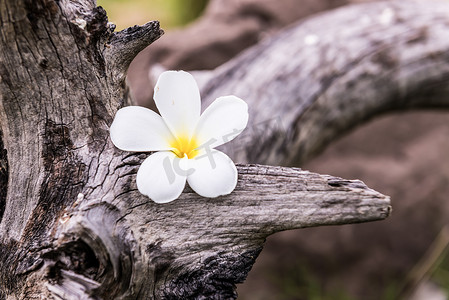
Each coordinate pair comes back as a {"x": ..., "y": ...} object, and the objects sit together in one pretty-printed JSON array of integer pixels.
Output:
[
  {"x": 197, "y": 247},
  {"x": 72, "y": 223}
]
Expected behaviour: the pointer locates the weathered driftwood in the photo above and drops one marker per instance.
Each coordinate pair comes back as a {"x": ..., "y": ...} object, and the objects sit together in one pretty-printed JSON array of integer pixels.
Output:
[{"x": 72, "y": 223}]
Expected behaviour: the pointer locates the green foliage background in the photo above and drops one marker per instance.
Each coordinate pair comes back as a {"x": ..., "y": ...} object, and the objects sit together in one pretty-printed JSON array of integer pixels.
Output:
[{"x": 171, "y": 13}]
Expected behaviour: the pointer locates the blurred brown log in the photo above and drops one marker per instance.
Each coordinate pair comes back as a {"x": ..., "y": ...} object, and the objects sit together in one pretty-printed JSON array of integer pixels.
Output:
[
  {"x": 324, "y": 76},
  {"x": 344, "y": 58},
  {"x": 226, "y": 28}
]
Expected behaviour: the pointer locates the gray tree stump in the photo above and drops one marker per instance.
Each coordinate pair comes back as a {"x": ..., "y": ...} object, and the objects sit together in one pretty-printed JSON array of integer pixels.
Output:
[{"x": 72, "y": 223}]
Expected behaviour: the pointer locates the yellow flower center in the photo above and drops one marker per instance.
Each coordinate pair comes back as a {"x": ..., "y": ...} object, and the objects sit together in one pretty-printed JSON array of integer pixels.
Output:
[{"x": 183, "y": 146}]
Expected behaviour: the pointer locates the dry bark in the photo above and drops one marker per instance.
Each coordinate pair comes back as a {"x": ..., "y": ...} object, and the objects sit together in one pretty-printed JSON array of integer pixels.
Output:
[{"x": 72, "y": 223}]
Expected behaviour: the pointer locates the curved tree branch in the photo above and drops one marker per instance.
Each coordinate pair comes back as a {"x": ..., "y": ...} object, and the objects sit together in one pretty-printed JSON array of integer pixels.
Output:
[
  {"x": 73, "y": 225},
  {"x": 325, "y": 75}
]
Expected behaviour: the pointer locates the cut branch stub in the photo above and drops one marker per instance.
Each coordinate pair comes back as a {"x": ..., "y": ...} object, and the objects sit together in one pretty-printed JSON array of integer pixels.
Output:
[{"x": 126, "y": 44}]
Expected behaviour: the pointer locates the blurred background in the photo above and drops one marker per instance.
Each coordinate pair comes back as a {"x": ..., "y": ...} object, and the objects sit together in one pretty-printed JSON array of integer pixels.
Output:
[
  {"x": 171, "y": 13},
  {"x": 402, "y": 155}
]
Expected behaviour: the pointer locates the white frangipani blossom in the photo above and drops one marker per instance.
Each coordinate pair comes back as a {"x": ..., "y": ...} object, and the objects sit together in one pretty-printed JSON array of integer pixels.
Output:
[{"x": 184, "y": 139}]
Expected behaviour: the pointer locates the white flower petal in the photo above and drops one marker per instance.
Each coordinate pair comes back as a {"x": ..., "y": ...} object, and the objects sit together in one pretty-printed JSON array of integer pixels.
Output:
[
  {"x": 137, "y": 128},
  {"x": 159, "y": 178},
  {"x": 222, "y": 121},
  {"x": 178, "y": 99},
  {"x": 214, "y": 174}
]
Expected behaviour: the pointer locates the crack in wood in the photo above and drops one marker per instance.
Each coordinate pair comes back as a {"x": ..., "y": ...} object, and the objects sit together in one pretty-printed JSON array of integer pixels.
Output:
[{"x": 4, "y": 176}]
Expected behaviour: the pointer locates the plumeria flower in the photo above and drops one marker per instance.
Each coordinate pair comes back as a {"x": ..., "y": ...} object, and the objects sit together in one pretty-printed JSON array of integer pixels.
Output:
[{"x": 185, "y": 141}]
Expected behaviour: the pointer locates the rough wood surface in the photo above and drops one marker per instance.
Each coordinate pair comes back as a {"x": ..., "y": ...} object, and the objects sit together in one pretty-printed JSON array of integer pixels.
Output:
[
  {"x": 195, "y": 247},
  {"x": 72, "y": 223}
]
